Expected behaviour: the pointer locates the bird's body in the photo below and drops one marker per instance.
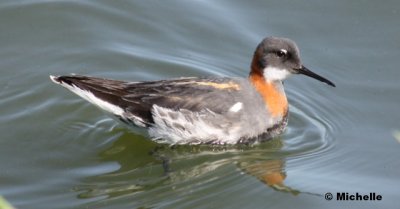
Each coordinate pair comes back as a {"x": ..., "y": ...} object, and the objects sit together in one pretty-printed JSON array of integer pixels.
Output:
[{"x": 200, "y": 110}]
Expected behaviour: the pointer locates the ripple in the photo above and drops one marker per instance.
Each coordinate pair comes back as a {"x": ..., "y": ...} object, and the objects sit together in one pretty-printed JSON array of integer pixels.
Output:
[
  {"x": 311, "y": 128},
  {"x": 180, "y": 61}
]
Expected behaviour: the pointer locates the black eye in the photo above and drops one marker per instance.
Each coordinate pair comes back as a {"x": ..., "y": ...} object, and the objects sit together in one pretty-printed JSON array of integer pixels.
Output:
[{"x": 281, "y": 53}]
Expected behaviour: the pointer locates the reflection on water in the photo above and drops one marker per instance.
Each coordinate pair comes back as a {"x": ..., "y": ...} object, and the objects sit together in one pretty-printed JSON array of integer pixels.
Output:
[
  {"x": 270, "y": 172},
  {"x": 146, "y": 168}
]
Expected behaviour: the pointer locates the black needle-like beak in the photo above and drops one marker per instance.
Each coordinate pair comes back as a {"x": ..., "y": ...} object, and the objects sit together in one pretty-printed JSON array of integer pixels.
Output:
[{"x": 305, "y": 71}]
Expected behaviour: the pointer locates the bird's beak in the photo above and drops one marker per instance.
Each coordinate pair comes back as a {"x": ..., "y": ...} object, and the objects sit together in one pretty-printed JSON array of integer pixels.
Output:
[{"x": 305, "y": 71}]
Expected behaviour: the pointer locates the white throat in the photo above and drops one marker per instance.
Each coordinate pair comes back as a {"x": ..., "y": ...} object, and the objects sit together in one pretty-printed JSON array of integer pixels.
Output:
[{"x": 275, "y": 74}]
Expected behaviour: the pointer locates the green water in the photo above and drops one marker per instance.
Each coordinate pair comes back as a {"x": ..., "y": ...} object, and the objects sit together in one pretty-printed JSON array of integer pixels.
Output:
[{"x": 58, "y": 151}]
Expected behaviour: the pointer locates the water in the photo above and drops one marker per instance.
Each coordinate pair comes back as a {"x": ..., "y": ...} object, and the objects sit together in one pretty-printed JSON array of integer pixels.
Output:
[{"x": 58, "y": 151}]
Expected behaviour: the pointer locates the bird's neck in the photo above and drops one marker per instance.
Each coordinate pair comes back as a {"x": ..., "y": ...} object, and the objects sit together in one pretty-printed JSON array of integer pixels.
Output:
[{"x": 272, "y": 93}]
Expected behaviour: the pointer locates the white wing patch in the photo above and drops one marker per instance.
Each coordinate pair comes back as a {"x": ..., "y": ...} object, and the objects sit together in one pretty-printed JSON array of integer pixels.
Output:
[{"x": 236, "y": 107}]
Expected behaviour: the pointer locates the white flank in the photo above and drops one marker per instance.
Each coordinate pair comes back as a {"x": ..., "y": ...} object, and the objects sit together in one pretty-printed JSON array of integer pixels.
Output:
[
  {"x": 183, "y": 127},
  {"x": 236, "y": 107},
  {"x": 275, "y": 74},
  {"x": 91, "y": 98}
]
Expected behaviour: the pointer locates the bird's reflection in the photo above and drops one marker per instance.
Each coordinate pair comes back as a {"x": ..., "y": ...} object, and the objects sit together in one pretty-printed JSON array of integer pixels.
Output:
[
  {"x": 144, "y": 165},
  {"x": 270, "y": 172}
]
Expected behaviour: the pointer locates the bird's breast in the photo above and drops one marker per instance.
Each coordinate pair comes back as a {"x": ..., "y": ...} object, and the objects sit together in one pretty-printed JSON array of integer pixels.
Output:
[{"x": 273, "y": 95}]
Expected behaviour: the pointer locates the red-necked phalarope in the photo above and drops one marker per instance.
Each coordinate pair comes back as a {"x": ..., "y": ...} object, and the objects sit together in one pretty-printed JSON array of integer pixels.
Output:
[{"x": 203, "y": 110}]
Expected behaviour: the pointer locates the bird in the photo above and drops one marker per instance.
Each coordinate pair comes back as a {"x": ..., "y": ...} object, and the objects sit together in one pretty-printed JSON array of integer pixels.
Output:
[{"x": 204, "y": 110}]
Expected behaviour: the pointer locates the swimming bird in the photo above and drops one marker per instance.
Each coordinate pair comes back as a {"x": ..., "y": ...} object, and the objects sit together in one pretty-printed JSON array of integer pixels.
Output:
[{"x": 205, "y": 110}]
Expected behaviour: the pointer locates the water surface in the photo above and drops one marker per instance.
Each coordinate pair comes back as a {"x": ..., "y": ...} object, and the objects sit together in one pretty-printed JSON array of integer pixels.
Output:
[{"x": 58, "y": 151}]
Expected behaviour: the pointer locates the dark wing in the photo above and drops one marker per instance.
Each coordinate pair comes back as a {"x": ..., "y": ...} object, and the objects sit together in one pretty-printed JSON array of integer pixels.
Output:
[{"x": 138, "y": 98}]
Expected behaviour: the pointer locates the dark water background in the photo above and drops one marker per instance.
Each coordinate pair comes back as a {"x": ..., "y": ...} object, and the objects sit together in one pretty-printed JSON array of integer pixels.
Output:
[{"x": 58, "y": 151}]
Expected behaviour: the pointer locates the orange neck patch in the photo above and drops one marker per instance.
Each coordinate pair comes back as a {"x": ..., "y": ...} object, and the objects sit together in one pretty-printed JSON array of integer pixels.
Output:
[{"x": 275, "y": 100}]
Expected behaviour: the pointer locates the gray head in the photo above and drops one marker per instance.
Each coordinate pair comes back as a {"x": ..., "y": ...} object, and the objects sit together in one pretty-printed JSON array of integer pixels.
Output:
[{"x": 277, "y": 58}]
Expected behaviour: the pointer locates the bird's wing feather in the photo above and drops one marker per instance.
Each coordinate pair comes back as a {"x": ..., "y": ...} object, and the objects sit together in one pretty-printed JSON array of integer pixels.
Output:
[{"x": 138, "y": 98}]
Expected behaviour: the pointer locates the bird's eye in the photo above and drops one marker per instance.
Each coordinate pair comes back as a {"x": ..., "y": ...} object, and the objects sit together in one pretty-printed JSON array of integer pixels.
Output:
[{"x": 281, "y": 53}]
